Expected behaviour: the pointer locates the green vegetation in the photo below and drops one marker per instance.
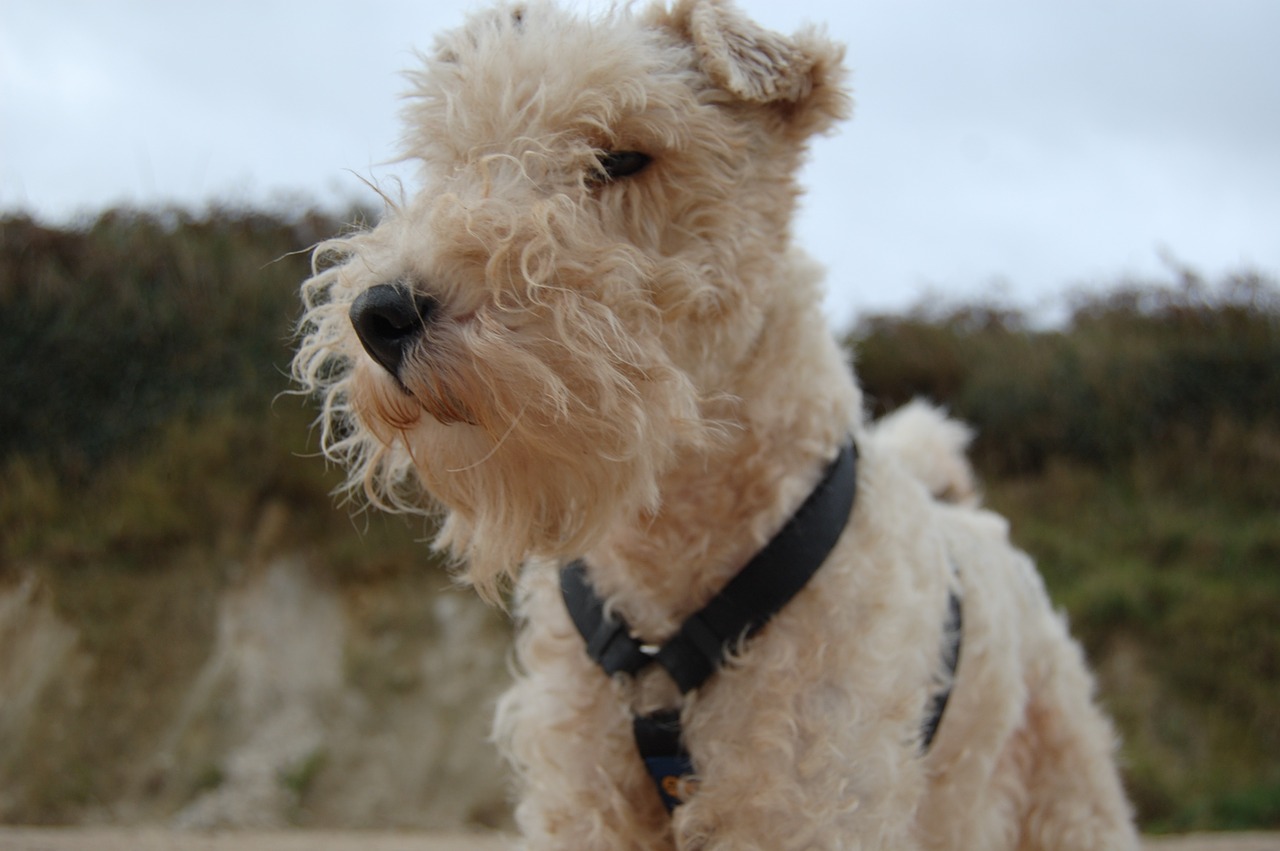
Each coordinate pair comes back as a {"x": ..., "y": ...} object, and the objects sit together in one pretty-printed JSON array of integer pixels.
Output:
[
  {"x": 1136, "y": 452},
  {"x": 145, "y": 414},
  {"x": 299, "y": 778},
  {"x": 147, "y": 460},
  {"x": 146, "y": 449}
]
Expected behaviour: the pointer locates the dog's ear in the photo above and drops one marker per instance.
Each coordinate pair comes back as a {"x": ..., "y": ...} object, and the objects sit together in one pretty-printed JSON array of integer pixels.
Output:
[{"x": 801, "y": 73}]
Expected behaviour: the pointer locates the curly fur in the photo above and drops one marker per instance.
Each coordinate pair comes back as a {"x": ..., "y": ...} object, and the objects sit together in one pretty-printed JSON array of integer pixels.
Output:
[{"x": 637, "y": 371}]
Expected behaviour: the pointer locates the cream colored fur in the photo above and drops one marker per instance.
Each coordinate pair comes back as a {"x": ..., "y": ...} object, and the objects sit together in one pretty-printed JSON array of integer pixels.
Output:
[{"x": 637, "y": 372}]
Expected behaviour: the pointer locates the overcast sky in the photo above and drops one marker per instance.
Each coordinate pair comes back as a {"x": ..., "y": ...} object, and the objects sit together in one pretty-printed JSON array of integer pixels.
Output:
[{"x": 998, "y": 147}]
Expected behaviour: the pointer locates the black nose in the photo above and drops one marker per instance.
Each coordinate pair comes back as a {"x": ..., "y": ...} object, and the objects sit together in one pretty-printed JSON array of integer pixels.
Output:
[{"x": 388, "y": 319}]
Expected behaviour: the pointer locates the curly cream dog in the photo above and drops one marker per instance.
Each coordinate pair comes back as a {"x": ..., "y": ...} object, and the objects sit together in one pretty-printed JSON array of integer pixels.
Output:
[{"x": 589, "y": 339}]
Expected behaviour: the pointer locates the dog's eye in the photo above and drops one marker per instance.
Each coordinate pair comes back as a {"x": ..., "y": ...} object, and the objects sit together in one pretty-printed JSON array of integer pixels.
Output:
[{"x": 618, "y": 164}]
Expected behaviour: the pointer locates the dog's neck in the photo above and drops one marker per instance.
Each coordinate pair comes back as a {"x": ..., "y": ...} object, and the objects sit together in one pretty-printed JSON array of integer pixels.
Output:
[{"x": 788, "y": 407}]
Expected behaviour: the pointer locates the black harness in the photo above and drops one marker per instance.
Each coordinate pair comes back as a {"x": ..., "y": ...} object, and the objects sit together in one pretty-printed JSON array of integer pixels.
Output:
[{"x": 741, "y": 609}]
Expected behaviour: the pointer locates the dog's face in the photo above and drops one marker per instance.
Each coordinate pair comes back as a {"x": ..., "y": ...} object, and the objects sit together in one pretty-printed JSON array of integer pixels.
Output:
[{"x": 534, "y": 336}]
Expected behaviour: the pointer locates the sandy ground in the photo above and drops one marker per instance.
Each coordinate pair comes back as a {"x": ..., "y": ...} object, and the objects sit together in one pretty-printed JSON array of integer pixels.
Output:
[{"x": 116, "y": 839}]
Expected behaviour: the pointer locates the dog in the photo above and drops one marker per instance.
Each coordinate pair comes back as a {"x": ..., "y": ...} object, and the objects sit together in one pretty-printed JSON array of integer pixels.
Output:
[{"x": 747, "y": 618}]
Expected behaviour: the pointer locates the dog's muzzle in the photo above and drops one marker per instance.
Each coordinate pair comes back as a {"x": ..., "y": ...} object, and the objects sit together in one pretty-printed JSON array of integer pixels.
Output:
[{"x": 389, "y": 319}]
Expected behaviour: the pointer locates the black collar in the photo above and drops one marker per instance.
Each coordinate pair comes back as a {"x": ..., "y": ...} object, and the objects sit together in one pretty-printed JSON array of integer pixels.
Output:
[
  {"x": 742, "y": 608},
  {"x": 759, "y": 591}
]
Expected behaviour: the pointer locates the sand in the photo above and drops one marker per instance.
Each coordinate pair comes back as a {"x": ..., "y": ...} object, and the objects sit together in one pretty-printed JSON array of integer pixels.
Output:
[{"x": 155, "y": 839}]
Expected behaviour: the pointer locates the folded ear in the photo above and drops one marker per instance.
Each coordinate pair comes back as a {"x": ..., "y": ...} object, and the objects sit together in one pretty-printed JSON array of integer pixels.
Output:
[{"x": 756, "y": 65}]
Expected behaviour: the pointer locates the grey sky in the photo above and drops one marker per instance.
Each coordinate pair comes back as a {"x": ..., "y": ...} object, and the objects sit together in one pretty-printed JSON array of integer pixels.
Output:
[{"x": 1040, "y": 144}]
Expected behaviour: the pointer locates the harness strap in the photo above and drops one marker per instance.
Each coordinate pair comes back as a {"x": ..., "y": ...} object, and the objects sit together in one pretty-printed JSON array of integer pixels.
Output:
[
  {"x": 608, "y": 637},
  {"x": 768, "y": 582},
  {"x": 665, "y": 758},
  {"x": 953, "y": 634},
  {"x": 742, "y": 608}
]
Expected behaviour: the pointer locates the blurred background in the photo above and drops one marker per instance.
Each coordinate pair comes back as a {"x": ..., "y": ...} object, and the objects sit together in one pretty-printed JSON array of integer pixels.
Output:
[{"x": 1062, "y": 223}]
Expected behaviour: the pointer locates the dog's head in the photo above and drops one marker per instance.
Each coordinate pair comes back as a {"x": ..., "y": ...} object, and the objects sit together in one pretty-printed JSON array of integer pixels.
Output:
[{"x": 538, "y": 334}]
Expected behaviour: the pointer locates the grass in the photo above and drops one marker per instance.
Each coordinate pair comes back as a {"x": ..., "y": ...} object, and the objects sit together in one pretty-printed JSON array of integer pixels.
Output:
[
  {"x": 1136, "y": 452},
  {"x": 1175, "y": 603},
  {"x": 299, "y": 778}
]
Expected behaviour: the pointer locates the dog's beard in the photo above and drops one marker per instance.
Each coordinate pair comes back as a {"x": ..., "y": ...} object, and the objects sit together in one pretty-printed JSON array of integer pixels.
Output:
[
  {"x": 534, "y": 442},
  {"x": 435, "y": 392}
]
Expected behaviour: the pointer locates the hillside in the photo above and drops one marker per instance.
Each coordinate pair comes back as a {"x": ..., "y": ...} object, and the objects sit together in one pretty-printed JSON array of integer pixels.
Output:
[{"x": 192, "y": 632}]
